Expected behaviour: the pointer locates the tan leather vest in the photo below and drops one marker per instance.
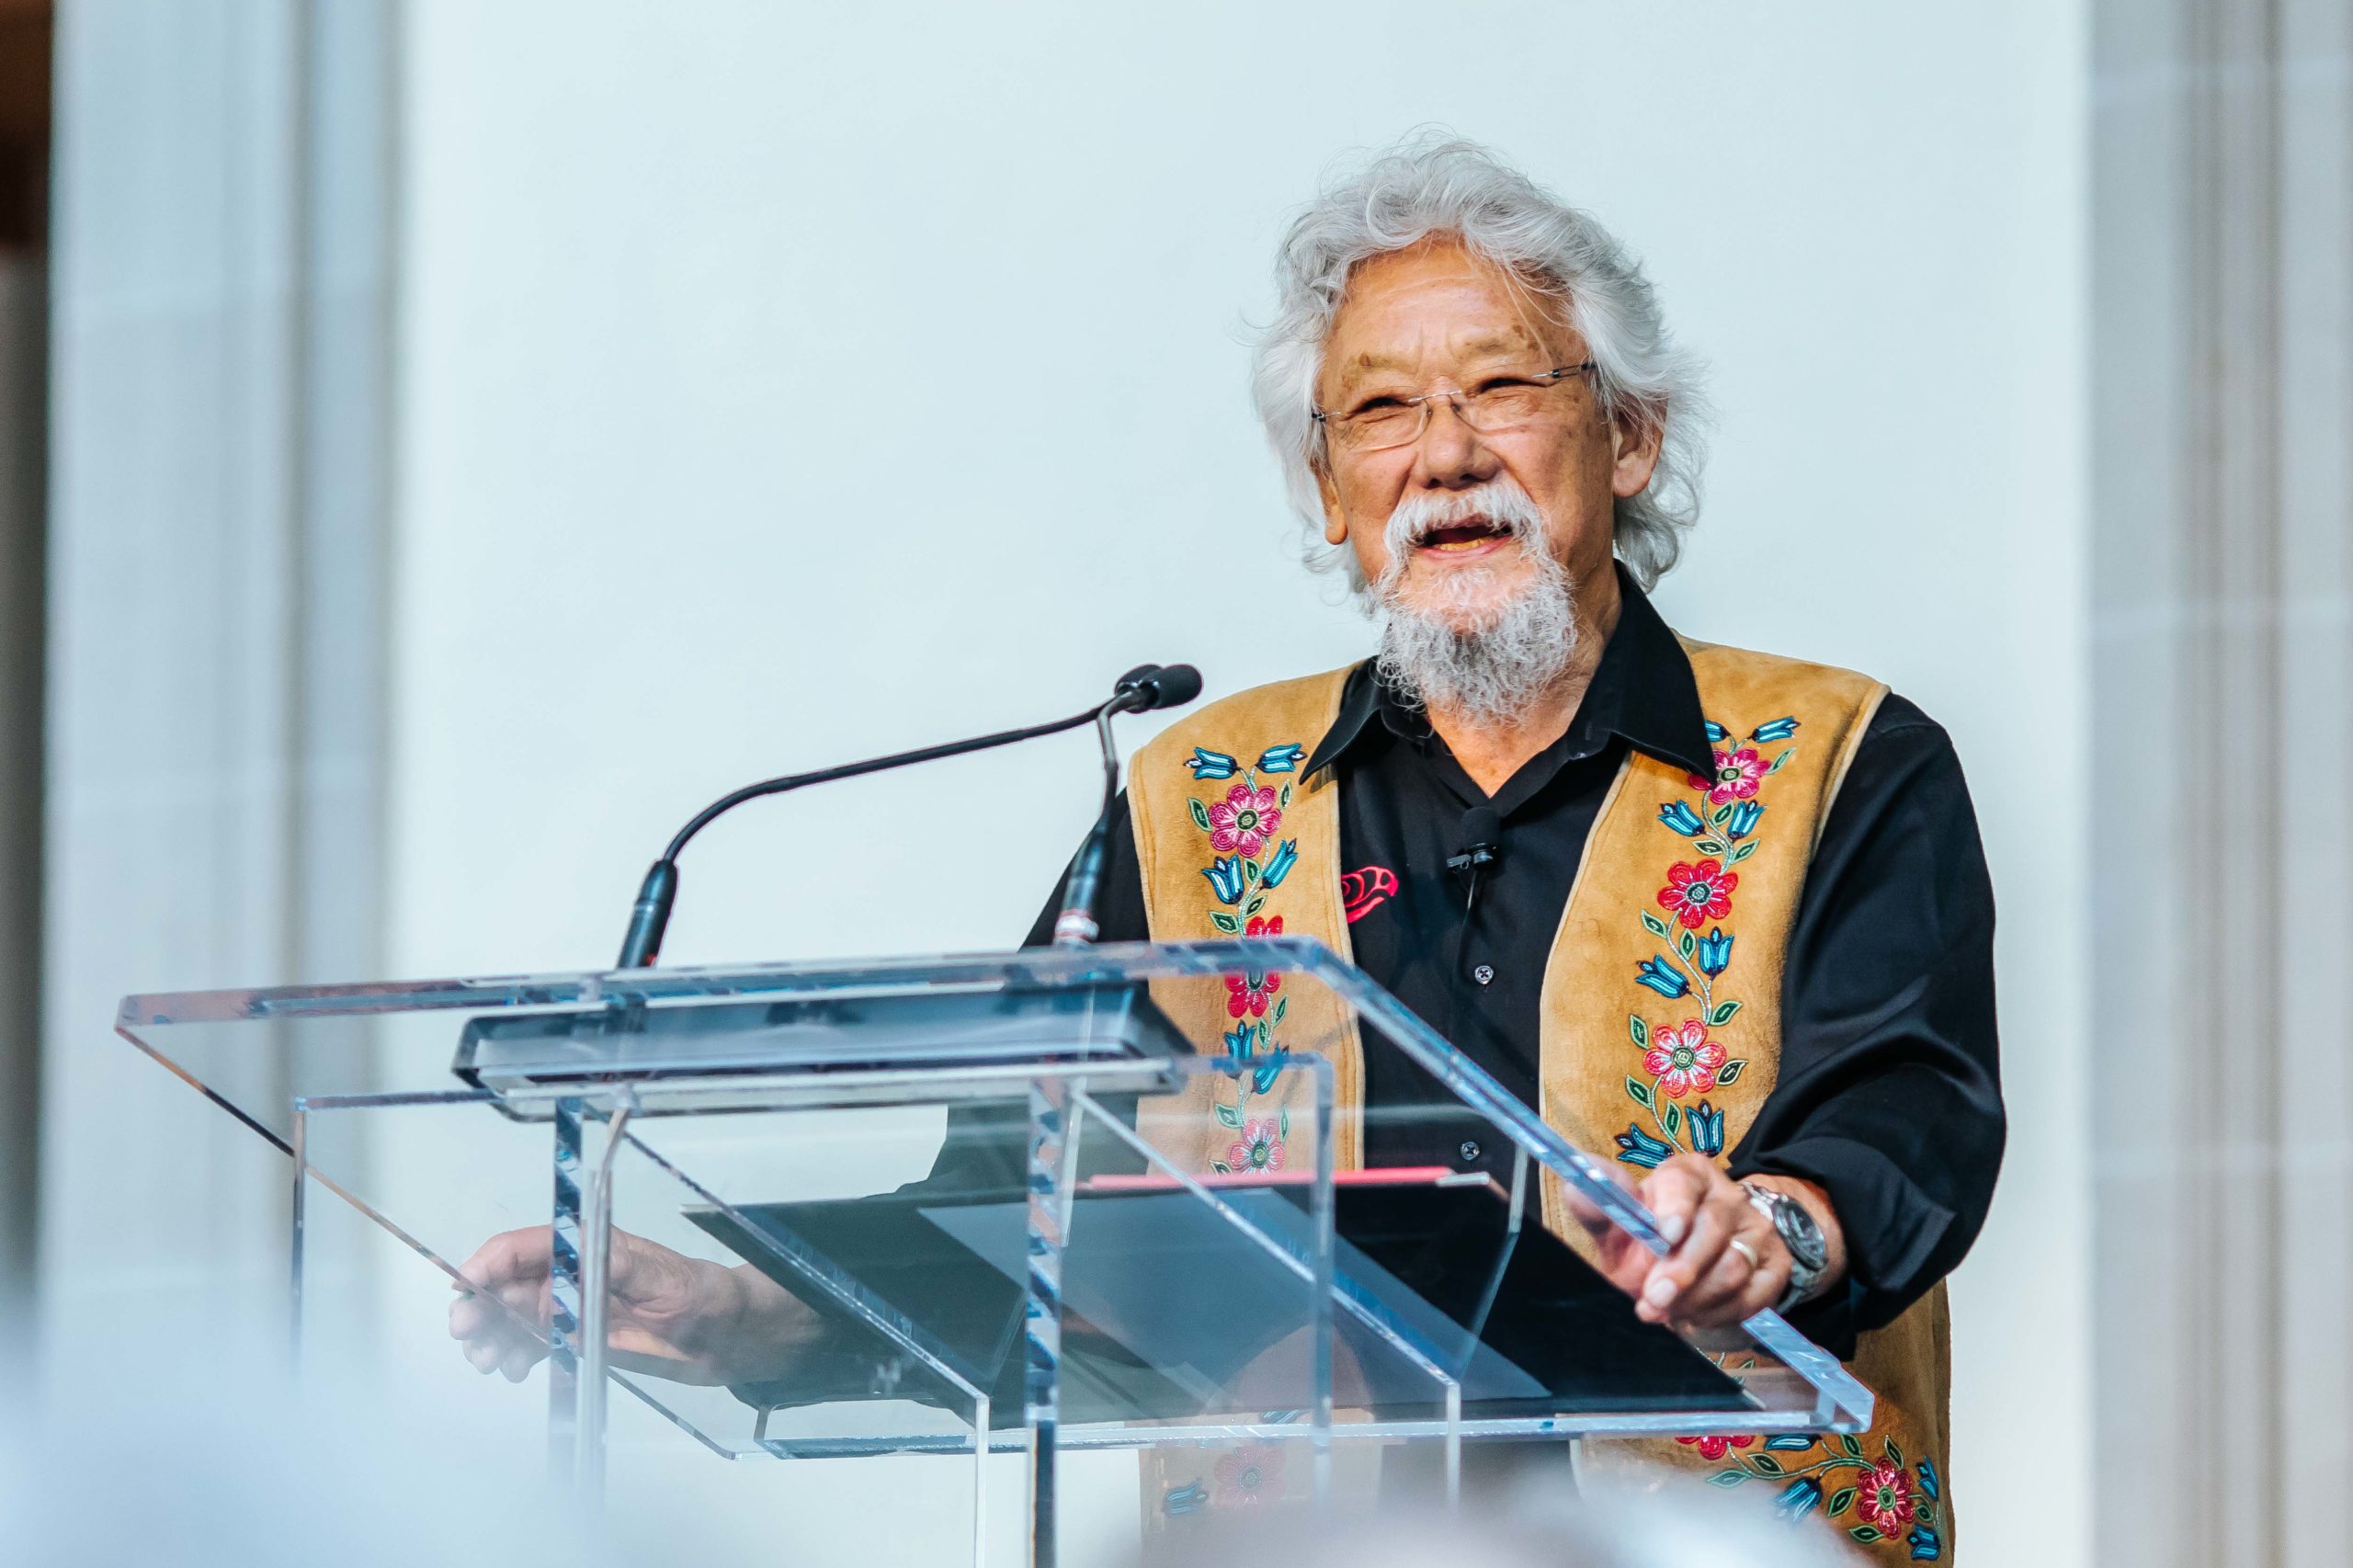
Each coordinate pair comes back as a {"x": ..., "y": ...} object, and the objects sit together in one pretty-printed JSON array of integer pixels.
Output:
[{"x": 1661, "y": 1012}]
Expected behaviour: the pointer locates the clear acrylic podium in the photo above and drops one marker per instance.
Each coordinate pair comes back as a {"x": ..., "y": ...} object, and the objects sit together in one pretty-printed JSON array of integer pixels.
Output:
[{"x": 1043, "y": 1202}]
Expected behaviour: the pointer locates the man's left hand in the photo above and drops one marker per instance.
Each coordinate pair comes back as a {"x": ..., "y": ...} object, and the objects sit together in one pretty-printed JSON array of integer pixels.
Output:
[{"x": 1725, "y": 1262}]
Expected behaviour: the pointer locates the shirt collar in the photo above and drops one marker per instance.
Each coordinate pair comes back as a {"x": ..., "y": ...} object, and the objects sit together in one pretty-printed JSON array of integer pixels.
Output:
[{"x": 1643, "y": 691}]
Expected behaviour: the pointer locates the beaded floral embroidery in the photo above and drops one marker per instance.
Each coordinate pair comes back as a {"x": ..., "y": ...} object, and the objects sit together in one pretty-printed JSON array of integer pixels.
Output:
[
  {"x": 1880, "y": 1501},
  {"x": 1249, "y": 860},
  {"x": 1885, "y": 1501},
  {"x": 1683, "y": 1058}
]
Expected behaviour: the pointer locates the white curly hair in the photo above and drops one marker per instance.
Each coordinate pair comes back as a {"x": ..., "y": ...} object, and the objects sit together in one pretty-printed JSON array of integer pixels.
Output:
[{"x": 1434, "y": 184}]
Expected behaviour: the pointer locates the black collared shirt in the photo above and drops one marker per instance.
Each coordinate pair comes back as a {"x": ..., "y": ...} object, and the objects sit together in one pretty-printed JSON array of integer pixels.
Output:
[{"x": 1888, "y": 1095}]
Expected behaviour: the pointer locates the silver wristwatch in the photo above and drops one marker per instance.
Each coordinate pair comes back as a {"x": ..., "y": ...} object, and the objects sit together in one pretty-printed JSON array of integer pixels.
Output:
[{"x": 1809, "y": 1251}]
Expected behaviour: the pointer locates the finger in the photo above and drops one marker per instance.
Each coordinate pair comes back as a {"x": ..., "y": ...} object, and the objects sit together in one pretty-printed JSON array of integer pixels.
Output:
[
  {"x": 1674, "y": 1192},
  {"x": 1673, "y": 1274},
  {"x": 1730, "y": 1206},
  {"x": 470, "y": 1316},
  {"x": 490, "y": 1315},
  {"x": 1766, "y": 1288},
  {"x": 510, "y": 1255},
  {"x": 1725, "y": 1293},
  {"x": 1625, "y": 1261},
  {"x": 1770, "y": 1282},
  {"x": 511, "y": 1311},
  {"x": 484, "y": 1355},
  {"x": 516, "y": 1364},
  {"x": 1629, "y": 1267},
  {"x": 1763, "y": 1289},
  {"x": 1714, "y": 1298},
  {"x": 1667, "y": 1192}
]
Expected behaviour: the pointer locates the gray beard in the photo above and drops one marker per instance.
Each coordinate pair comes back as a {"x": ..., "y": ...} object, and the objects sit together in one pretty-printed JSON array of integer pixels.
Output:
[{"x": 1492, "y": 671}]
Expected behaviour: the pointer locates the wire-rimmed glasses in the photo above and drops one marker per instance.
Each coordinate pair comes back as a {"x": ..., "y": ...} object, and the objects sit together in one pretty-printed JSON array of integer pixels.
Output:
[{"x": 1498, "y": 404}]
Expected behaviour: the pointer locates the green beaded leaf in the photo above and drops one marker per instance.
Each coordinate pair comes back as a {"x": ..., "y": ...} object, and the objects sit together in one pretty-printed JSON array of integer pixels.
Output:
[
  {"x": 1257, "y": 901},
  {"x": 1894, "y": 1454},
  {"x": 1742, "y": 853},
  {"x": 1728, "y": 1478},
  {"x": 1201, "y": 814},
  {"x": 1686, "y": 943},
  {"x": 1283, "y": 799},
  {"x": 1765, "y": 1464},
  {"x": 1720, "y": 815},
  {"x": 1731, "y": 1071},
  {"x": 1841, "y": 1501},
  {"x": 1864, "y": 1533},
  {"x": 1782, "y": 761},
  {"x": 1638, "y": 1030},
  {"x": 1282, "y": 1005},
  {"x": 1652, "y": 924},
  {"x": 1221, "y": 1167},
  {"x": 1721, "y": 1014},
  {"x": 1709, "y": 846},
  {"x": 1673, "y": 1121},
  {"x": 1845, "y": 1440},
  {"x": 1225, "y": 922},
  {"x": 1640, "y": 1093},
  {"x": 1229, "y": 1114}
]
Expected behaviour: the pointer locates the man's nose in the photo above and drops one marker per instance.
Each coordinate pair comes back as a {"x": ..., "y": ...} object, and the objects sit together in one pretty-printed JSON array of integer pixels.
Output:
[{"x": 1450, "y": 455}]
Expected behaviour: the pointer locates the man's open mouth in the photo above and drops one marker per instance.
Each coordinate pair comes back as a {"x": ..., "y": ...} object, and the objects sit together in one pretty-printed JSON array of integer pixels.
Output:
[{"x": 1467, "y": 534}]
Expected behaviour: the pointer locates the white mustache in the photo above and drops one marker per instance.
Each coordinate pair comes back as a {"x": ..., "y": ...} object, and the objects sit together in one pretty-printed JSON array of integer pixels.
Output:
[{"x": 1500, "y": 504}]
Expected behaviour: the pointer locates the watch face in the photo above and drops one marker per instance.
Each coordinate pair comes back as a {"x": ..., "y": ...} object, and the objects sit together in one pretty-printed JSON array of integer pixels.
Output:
[
  {"x": 1795, "y": 1225},
  {"x": 1799, "y": 1232}
]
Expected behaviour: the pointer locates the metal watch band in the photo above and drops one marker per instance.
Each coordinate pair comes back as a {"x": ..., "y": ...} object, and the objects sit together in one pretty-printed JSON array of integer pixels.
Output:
[{"x": 1798, "y": 1232}]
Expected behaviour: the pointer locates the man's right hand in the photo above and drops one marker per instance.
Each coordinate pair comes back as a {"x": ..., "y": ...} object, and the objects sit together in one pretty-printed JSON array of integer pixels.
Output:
[{"x": 668, "y": 1314}]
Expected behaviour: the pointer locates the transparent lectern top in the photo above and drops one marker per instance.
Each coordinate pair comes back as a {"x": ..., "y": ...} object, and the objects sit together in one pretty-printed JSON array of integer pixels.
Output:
[{"x": 1244, "y": 1239}]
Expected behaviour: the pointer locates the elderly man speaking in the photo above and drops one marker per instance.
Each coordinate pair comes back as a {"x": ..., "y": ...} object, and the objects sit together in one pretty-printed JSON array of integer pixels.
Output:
[
  {"x": 1481, "y": 412},
  {"x": 1483, "y": 417}
]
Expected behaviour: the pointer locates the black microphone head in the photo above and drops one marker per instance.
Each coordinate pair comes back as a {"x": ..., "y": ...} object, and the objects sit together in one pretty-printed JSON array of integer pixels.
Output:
[
  {"x": 1174, "y": 686},
  {"x": 1483, "y": 828},
  {"x": 1135, "y": 679}
]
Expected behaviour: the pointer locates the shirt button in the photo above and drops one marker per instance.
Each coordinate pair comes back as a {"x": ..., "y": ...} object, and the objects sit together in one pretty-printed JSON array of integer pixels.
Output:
[
  {"x": 1484, "y": 974},
  {"x": 1469, "y": 1151}
]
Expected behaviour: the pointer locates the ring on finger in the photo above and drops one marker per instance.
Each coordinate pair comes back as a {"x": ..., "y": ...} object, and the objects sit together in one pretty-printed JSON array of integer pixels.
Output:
[{"x": 1746, "y": 1251}]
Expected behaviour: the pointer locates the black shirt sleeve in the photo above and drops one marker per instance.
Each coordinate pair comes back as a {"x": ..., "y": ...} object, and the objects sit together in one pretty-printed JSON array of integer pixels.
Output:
[
  {"x": 987, "y": 1142},
  {"x": 1889, "y": 1094},
  {"x": 1119, "y": 900}
]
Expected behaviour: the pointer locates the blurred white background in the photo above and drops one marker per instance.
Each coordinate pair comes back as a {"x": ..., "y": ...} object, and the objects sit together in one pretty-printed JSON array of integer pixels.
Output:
[{"x": 820, "y": 383}]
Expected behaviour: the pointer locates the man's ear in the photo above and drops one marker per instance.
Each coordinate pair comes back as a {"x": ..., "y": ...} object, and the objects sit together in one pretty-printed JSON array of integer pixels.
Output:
[
  {"x": 1633, "y": 452},
  {"x": 1336, "y": 521}
]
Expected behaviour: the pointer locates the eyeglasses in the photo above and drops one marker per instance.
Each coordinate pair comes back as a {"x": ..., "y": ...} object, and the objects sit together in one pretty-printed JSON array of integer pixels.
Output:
[{"x": 1499, "y": 404}]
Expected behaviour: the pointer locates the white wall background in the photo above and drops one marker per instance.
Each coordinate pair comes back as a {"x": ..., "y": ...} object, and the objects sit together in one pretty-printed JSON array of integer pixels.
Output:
[{"x": 781, "y": 384}]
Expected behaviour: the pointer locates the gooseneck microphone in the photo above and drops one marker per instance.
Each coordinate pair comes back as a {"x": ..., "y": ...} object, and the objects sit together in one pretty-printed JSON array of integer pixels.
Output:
[
  {"x": 1145, "y": 687},
  {"x": 1139, "y": 691}
]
